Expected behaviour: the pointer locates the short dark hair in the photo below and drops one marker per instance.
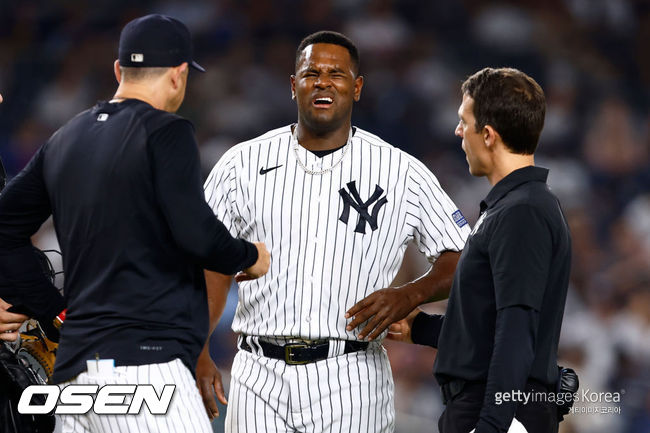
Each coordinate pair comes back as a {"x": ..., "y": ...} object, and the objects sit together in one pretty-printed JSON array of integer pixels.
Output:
[
  {"x": 330, "y": 37},
  {"x": 138, "y": 74},
  {"x": 512, "y": 103}
]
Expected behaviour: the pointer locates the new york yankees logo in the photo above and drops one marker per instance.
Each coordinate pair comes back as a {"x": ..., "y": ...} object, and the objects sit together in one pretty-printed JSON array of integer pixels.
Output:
[{"x": 361, "y": 207}]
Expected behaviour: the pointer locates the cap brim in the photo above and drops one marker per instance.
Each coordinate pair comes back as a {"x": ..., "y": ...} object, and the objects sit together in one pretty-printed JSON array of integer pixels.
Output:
[{"x": 197, "y": 66}]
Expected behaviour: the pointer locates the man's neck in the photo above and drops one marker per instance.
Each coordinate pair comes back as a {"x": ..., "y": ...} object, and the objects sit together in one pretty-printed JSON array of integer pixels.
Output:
[
  {"x": 141, "y": 93},
  {"x": 313, "y": 141},
  {"x": 506, "y": 163}
]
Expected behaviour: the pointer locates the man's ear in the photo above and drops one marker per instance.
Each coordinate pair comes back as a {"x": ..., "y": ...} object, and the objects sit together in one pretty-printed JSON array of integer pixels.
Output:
[
  {"x": 178, "y": 73},
  {"x": 116, "y": 70},
  {"x": 490, "y": 136},
  {"x": 358, "y": 85},
  {"x": 292, "y": 78}
]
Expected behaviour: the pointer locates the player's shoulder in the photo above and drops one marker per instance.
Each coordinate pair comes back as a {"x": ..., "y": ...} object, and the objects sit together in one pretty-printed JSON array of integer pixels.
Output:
[
  {"x": 372, "y": 139},
  {"x": 72, "y": 126},
  {"x": 376, "y": 141},
  {"x": 153, "y": 119},
  {"x": 269, "y": 139},
  {"x": 410, "y": 162},
  {"x": 133, "y": 113}
]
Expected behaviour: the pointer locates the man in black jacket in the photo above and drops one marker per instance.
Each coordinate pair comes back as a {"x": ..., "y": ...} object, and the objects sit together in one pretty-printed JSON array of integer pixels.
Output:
[
  {"x": 497, "y": 343},
  {"x": 122, "y": 182}
]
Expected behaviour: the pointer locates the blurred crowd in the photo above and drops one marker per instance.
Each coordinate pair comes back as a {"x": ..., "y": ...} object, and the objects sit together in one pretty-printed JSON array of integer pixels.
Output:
[{"x": 592, "y": 57}]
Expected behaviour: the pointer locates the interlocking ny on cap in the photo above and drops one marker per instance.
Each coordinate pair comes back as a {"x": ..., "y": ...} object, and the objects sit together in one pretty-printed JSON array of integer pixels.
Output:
[{"x": 156, "y": 40}]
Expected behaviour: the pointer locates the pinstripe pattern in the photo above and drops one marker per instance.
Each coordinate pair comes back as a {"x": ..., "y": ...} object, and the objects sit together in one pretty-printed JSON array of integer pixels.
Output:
[
  {"x": 320, "y": 266},
  {"x": 186, "y": 413},
  {"x": 347, "y": 393}
]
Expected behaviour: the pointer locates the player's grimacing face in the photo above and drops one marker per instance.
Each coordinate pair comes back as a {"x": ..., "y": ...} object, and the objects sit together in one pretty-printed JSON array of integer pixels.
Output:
[
  {"x": 473, "y": 144},
  {"x": 325, "y": 86}
]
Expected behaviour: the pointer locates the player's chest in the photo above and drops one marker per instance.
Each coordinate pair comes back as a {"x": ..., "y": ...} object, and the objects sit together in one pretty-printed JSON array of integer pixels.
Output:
[{"x": 345, "y": 199}]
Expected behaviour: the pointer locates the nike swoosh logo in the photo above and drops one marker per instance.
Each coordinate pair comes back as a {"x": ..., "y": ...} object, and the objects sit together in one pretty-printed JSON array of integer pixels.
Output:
[{"x": 266, "y": 170}]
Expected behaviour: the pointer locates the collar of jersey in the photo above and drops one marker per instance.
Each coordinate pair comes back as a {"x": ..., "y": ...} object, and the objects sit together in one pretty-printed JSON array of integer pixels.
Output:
[{"x": 316, "y": 163}]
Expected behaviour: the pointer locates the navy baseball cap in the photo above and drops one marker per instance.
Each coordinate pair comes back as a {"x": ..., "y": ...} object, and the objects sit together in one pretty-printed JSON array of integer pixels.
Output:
[{"x": 156, "y": 41}]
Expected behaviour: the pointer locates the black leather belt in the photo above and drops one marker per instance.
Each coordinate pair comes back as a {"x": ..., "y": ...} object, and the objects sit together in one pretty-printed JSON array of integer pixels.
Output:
[{"x": 301, "y": 352}]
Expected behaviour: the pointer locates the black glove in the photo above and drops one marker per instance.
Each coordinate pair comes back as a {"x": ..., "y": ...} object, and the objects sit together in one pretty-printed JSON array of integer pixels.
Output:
[
  {"x": 567, "y": 386},
  {"x": 14, "y": 378}
]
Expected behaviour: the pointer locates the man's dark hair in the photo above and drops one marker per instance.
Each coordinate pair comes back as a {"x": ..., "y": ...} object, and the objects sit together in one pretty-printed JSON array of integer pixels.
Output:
[
  {"x": 512, "y": 103},
  {"x": 330, "y": 37}
]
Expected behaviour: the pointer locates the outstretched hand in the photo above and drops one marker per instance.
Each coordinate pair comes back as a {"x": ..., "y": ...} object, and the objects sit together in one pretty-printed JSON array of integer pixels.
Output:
[
  {"x": 208, "y": 380},
  {"x": 380, "y": 309}
]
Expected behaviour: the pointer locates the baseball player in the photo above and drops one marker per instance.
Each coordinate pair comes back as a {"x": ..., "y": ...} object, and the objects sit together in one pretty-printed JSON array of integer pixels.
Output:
[
  {"x": 122, "y": 181},
  {"x": 337, "y": 205}
]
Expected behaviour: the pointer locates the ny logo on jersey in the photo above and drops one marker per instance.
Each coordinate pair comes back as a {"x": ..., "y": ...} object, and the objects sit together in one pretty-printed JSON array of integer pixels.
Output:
[{"x": 361, "y": 207}]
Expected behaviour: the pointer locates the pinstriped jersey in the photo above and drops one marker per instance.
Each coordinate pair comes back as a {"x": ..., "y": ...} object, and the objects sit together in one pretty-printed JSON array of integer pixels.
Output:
[{"x": 336, "y": 227}]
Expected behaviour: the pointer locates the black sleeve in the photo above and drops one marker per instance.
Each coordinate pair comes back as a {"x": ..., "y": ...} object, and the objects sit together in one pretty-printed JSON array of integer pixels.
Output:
[
  {"x": 512, "y": 358},
  {"x": 177, "y": 180},
  {"x": 520, "y": 252},
  {"x": 426, "y": 329},
  {"x": 24, "y": 206}
]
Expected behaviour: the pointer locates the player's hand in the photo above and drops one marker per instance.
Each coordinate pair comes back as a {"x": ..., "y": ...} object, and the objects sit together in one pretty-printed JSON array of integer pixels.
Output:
[
  {"x": 380, "y": 309},
  {"x": 260, "y": 267},
  {"x": 401, "y": 330},
  {"x": 9, "y": 322},
  {"x": 208, "y": 380}
]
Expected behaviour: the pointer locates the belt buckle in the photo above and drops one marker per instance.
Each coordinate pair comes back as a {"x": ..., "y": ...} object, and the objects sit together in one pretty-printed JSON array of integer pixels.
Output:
[{"x": 288, "y": 353}]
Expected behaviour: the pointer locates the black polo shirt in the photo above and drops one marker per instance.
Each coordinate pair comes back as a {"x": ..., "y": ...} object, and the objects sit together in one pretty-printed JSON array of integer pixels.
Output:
[{"x": 518, "y": 255}]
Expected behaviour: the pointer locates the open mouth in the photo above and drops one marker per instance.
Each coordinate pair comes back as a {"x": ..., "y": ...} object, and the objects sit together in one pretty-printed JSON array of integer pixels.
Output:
[{"x": 323, "y": 102}]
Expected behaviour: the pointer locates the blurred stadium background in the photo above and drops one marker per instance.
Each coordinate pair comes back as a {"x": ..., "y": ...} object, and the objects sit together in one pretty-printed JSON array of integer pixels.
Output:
[{"x": 592, "y": 57}]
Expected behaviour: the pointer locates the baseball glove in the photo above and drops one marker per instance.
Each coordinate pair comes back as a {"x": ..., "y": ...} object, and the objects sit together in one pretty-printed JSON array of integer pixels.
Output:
[
  {"x": 37, "y": 351},
  {"x": 15, "y": 376}
]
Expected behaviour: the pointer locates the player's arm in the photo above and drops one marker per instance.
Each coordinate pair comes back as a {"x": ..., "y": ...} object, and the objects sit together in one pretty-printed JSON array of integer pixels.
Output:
[
  {"x": 177, "y": 180},
  {"x": 218, "y": 192},
  {"x": 208, "y": 377},
  {"x": 24, "y": 206},
  {"x": 389, "y": 305},
  {"x": 439, "y": 231}
]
